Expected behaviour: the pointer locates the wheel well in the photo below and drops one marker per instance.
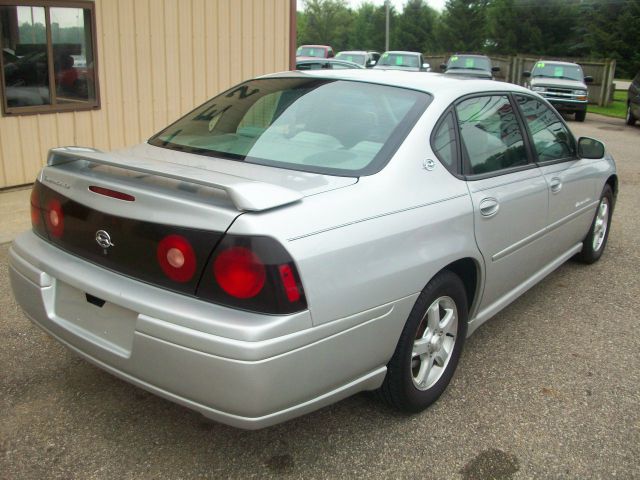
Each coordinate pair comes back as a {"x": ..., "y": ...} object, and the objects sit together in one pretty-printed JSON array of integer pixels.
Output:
[
  {"x": 468, "y": 271},
  {"x": 612, "y": 181}
]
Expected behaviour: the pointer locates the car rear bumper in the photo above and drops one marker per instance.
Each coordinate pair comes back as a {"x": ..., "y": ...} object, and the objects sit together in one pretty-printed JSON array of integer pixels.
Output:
[{"x": 248, "y": 377}]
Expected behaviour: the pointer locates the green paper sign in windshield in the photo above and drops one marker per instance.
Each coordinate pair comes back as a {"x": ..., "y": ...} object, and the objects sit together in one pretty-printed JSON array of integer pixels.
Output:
[{"x": 469, "y": 62}]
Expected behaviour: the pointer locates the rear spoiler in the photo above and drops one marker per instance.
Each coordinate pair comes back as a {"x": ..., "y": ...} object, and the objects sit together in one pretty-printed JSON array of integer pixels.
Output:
[{"x": 246, "y": 195}]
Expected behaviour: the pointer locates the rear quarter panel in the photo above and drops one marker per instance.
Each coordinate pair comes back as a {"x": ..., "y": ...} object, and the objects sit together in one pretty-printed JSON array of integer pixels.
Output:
[{"x": 379, "y": 240}]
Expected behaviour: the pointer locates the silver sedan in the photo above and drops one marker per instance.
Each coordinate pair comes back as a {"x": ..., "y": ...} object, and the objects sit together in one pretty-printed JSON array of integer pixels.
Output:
[{"x": 305, "y": 236}]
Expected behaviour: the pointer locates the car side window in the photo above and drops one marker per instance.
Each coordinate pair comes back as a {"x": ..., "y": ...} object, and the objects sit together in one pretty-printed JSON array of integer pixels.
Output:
[
  {"x": 551, "y": 138},
  {"x": 444, "y": 143},
  {"x": 490, "y": 134}
]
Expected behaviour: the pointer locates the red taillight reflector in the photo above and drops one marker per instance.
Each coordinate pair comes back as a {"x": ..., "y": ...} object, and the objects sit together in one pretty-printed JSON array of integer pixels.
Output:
[
  {"x": 55, "y": 218},
  {"x": 239, "y": 272},
  {"x": 176, "y": 258},
  {"x": 289, "y": 283},
  {"x": 35, "y": 208},
  {"x": 107, "y": 192}
]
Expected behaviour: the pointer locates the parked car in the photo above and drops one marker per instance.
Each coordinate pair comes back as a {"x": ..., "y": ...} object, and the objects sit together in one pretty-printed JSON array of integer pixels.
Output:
[
  {"x": 563, "y": 84},
  {"x": 314, "y": 51},
  {"x": 633, "y": 101},
  {"x": 476, "y": 66},
  {"x": 324, "y": 63},
  {"x": 302, "y": 237},
  {"x": 407, "y": 61},
  {"x": 367, "y": 59}
]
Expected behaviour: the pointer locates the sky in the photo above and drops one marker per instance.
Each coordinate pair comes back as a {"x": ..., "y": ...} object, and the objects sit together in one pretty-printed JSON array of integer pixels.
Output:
[{"x": 437, "y": 4}]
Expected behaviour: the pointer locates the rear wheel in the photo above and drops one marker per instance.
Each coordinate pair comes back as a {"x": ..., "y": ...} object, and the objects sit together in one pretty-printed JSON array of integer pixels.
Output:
[
  {"x": 580, "y": 116},
  {"x": 595, "y": 241},
  {"x": 631, "y": 119},
  {"x": 430, "y": 346}
]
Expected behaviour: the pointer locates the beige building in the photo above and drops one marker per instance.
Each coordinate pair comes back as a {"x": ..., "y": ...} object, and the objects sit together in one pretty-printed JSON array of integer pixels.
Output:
[{"x": 110, "y": 73}]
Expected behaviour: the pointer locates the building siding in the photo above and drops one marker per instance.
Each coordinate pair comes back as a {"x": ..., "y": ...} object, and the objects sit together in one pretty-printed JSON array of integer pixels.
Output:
[{"x": 158, "y": 59}]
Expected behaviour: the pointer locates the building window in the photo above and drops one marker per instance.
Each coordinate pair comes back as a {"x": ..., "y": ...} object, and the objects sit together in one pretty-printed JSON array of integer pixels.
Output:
[{"x": 49, "y": 61}]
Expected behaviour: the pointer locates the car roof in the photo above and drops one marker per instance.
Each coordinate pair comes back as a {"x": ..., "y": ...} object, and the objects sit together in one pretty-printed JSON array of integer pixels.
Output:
[
  {"x": 353, "y": 51},
  {"x": 315, "y": 46},
  {"x": 556, "y": 62},
  {"x": 476, "y": 55},
  {"x": 403, "y": 52},
  {"x": 436, "y": 84}
]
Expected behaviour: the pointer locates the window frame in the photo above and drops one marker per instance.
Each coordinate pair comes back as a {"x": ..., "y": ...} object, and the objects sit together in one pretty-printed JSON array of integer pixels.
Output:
[
  {"x": 53, "y": 107},
  {"x": 456, "y": 167},
  {"x": 466, "y": 163},
  {"x": 559, "y": 117}
]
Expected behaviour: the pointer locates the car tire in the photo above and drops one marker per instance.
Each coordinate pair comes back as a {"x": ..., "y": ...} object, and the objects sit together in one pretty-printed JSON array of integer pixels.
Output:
[
  {"x": 594, "y": 243},
  {"x": 429, "y": 347},
  {"x": 631, "y": 119},
  {"x": 580, "y": 116}
]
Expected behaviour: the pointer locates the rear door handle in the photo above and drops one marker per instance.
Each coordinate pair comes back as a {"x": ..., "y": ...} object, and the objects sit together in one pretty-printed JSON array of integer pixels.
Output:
[
  {"x": 555, "y": 185},
  {"x": 489, "y": 207}
]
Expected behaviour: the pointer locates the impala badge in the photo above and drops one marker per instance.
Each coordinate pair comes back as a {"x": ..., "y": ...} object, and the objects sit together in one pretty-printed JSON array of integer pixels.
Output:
[{"x": 104, "y": 240}]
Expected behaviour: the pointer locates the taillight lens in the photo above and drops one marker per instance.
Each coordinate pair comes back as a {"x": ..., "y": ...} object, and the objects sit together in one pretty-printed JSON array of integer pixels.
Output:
[
  {"x": 253, "y": 273},
  {"x": 239, "y": 272},
  {"x": 54, "y": 217},
  {"x": 289, "y": 283},
  {"x": 36, "y": 219},
  {"x": 176, "y": 258}
]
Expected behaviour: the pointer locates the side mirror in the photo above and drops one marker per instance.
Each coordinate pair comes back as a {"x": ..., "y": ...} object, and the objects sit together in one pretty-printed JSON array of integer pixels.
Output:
[
  {"x": 426, "y": 67},
  {"x": 526, "y": 74},
  {"x": 371, "y": 63},
  {"x": 495, "y": 69},
  {"x": 590, "y": 148},
  {"x": 588, "y": 79},
  {"x": 443, "y": 66}
]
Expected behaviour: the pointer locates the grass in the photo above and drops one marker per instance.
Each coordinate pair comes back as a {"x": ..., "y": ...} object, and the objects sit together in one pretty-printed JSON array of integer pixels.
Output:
[{"x": 617, "y": 108}]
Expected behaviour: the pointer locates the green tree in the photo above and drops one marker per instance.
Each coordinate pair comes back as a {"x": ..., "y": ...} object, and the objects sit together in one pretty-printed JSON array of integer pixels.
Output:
[
  {"x": 540, "y": 27},
  {"x": 610, "y": 30},
  {"x": 327, "y": 22},
  {"x": 462, "y": 26},
  {"x": 368, "y": 27},
  {"x": 415, "y": 28}
]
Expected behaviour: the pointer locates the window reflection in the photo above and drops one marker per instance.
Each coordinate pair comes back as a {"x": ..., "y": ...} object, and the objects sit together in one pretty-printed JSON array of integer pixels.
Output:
[
  {"x": 73, "y": 55},
  {"x": 38, "y": 74},
  {"x": 24, "y": 56},
  {"x": 491, "y": 134}
]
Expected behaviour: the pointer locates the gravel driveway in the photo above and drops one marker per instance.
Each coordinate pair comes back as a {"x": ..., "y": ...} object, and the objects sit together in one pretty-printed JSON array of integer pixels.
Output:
[{"x": 550, "y": 388}]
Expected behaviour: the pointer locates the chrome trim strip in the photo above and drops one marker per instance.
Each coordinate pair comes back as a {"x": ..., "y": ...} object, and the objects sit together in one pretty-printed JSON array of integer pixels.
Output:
[
  {"x": 540, "y": 233},
  {"x": 335, "y": 227},
  {"x": 515, "y": 293}
]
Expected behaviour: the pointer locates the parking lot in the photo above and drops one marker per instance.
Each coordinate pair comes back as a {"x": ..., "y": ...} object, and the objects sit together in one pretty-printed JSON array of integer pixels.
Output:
[{"x": 550, "y": 388}]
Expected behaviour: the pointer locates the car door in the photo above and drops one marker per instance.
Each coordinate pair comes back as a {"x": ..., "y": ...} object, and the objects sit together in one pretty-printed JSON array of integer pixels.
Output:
[
  {"x": 634, "y": 96},
  {"x": 508, "y": 191},
  {"x": 571, "y": 180}
]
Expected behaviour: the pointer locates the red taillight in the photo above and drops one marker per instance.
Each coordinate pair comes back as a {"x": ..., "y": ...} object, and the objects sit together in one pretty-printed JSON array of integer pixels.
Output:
[
  {"x": 35, "y": 208},
  {"x": 289, "y": 283},
  {"x": 177, "y": 258},
  {"x": 112, "y": 193},
  {"x": 239, "y": 272},
  {"x": 54, "y": 217}
]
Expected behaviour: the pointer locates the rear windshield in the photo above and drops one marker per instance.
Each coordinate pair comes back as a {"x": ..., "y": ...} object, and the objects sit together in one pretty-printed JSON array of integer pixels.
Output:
[
  {"x": 335, "y": 127},
  {"x": 400, "y": 60},
  {"x": 311, "y": 52},
  {"x": 553, "y": 70},
  {"x": 468, "y": 63}
]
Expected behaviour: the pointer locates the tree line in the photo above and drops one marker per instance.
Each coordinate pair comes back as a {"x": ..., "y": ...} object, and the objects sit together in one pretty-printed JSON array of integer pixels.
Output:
[{"x": 557, "y": 28}]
